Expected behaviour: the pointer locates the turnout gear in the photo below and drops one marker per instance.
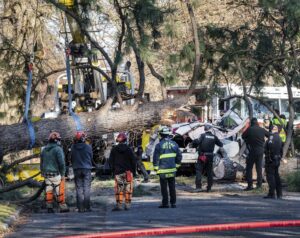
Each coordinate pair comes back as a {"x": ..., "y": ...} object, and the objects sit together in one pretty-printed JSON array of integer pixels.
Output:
[
  {"x": 166, "y": 159},
  {"x": 206, "y": 145},
  {"x": 273, "y": 154},
  {"x": 254, "y": 137},
  {"x": 123, "y": 164}
]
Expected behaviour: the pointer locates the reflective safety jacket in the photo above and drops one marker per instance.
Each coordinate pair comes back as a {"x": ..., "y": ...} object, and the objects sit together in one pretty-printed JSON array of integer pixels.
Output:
[
  {"x": 167, "y": 157},
  {"x": 281, "y": 127}
]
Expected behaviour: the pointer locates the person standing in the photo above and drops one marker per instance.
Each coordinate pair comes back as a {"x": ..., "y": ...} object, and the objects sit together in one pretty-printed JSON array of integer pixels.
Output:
[
  {"x": 123, "y": 164},
  {"x": 254, "y": 137},
  {"x": 281, "y": 123},
  {"x": 273, "y": 154},
  {"x": 206, "y": 146},
  {"x": 81, "y": 158},
  {"x": 166, "y": 159},
  {"x": 53, "y": 169},
  {"x": 140, "y": 164}
]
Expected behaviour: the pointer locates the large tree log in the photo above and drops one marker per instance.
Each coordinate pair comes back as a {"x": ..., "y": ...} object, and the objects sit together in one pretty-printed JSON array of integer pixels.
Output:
[{"x": 15, "y": 137}]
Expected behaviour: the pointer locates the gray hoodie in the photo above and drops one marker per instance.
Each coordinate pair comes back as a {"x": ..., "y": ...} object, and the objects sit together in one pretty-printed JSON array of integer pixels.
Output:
[{"x": 81, "y": 156}]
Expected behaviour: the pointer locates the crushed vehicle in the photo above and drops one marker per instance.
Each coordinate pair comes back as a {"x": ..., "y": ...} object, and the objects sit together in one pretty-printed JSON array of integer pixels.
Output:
[{"x": 229, "y": 162}]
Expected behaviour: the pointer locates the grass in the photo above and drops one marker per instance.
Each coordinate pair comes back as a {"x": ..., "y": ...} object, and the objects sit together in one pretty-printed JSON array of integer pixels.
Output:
[
  {"x": 6, "y": 210},
  {"x": 139, "y": 191},
  {"x": 186, "y": 181},
  {"x": 293, "y": 181}
]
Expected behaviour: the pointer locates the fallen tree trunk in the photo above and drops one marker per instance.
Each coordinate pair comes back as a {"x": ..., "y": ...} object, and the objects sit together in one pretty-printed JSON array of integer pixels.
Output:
[{"x": 16, "y": 137}]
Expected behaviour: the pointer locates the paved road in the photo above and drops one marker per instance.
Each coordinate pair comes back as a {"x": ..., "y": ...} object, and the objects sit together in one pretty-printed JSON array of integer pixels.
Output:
[{"x": 192, "y": 209}]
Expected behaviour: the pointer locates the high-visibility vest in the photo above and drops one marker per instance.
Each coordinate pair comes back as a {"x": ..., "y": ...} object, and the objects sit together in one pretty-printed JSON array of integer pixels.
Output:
[{"x": 282, "y": 133}]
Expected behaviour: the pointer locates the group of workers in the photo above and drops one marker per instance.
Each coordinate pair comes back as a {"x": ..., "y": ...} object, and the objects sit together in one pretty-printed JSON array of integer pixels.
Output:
[{"x": 166, "y": 160}]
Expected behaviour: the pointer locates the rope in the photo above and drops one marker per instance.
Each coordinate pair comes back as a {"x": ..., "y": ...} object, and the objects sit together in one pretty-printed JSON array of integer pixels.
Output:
[{"x": 74, "y": 116}]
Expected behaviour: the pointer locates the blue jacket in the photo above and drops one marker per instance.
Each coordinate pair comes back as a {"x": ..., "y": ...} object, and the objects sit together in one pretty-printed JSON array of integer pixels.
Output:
[
  {"x": 167, "y": 156},
  {"x": 81, "y": 156}
]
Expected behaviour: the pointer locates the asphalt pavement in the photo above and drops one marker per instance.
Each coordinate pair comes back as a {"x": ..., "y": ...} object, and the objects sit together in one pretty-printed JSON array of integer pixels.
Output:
[{"x": 192, "y": 209}]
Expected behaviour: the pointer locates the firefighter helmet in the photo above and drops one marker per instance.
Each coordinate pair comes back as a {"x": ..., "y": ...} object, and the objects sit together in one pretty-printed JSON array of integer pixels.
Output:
[{"x": 164, "y": 131}]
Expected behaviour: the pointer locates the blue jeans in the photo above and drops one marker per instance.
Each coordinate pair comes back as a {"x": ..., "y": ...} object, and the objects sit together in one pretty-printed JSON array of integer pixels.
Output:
[{"x": 83, "y": 179}]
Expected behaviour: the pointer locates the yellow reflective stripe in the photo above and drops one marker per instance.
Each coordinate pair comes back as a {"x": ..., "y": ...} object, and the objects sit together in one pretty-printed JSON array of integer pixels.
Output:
[
  {"x": 177, "y": 165},
  {"x": 156, "y": 167},
  {"x": 170, "y": 155},
  {"x": 166, "y": 171}
]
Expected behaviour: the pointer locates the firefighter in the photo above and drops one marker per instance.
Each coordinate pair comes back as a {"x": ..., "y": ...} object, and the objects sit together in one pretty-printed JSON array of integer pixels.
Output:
[
  {"x": 206, "y": 145},
  {"x": 81, "y": 157},
  {"x": 53, "y": 169},
  {"x": 166, "y": 159},
  {"x": 273, "y": 154},
  {"x": 254, "y": 137},
  {"x": 123, "y": 164}
]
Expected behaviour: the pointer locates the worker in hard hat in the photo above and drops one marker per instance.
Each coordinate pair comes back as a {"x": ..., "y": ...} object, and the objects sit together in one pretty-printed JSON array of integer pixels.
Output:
[{"x": 53, "y": 169}]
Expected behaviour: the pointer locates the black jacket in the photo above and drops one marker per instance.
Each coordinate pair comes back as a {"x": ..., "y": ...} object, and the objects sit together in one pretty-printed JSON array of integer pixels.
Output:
[
  {"x": 273, "y": 149},
  {"x": 254, "y": 137},
  {"x": 122, "y": 159},
  {"x": 81, "y": 156},
  {"x": 206, "y": 143}
]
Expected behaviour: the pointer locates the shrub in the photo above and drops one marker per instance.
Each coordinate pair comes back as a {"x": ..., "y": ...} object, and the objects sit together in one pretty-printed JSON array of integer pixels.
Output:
[{"x": 293, "y": 181}]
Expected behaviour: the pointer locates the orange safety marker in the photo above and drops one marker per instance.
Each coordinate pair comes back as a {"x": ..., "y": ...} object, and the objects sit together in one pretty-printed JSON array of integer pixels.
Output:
[{"x": 190, "y": 229}]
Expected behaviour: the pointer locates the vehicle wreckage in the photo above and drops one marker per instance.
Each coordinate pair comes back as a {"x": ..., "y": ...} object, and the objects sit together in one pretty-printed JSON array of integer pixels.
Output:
[{"x": 229, "y": 161}]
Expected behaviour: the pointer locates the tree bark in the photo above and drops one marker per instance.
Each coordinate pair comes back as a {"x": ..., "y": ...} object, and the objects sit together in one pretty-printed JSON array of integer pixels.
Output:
[
  {"x": 16, "y": 137},
  {"x": 197, "y": 64},
  {"x": 161, "y": 80}
]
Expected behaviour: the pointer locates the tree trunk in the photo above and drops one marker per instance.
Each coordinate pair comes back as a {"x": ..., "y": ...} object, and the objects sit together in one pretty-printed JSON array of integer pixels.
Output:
[
  {"x": 197, "y": 64},
  {"x": 15, "y": 137},
  {"x": 291, "y": 119}
]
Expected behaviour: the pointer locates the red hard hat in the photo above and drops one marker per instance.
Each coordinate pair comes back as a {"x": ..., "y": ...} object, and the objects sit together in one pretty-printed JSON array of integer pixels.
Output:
[
  {"x": 80, "y": 135},
  {"x": 121, "y": 137},
  {"x": 54, "y": 136}
]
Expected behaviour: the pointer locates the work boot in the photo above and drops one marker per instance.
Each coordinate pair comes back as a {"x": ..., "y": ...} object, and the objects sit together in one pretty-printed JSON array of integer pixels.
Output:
[
  {"x": 173, "y": 205},
  {"x": 145, "y": 181},
  {"x": 50, "y": 210},
  {"x": 163, "y": 206},
  {"x": 63, "y": 208},
  {"x": 118, "y": 207},
  {"x": 208, "y": 190},
  {"x": 127, "y": 206},
  {"x": 198, "y": 190},
  {"x": 269, "y": 196},
  {"x": 249, "y": 188}
]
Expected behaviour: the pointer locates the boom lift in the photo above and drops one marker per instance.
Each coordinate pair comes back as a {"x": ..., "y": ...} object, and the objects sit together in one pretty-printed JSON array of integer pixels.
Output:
[{"x": 89, "y": 89}]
